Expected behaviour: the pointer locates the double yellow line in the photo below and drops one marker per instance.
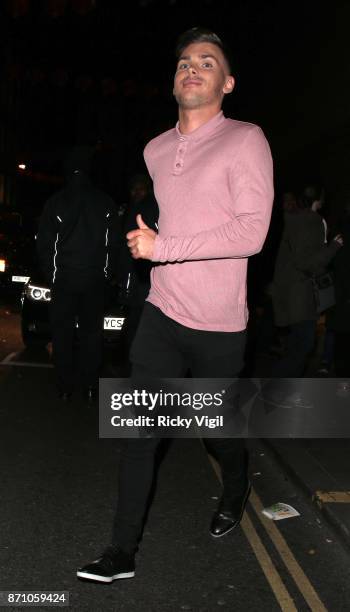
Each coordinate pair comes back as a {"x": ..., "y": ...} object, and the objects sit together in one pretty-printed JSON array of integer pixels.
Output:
[{"x": 280, "y": 591}]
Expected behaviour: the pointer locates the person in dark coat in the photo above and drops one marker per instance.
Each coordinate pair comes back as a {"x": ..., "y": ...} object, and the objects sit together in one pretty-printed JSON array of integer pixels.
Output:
[
  {"x": 135, "y": 274},
  {"x": 339, "y": 316},
  {"x": 77, "y": 246},
  {"x": 303, "y": 253}
]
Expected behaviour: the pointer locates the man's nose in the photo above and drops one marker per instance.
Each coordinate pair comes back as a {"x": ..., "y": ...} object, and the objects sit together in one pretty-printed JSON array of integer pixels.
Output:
[{"x": 192, "y": 69}]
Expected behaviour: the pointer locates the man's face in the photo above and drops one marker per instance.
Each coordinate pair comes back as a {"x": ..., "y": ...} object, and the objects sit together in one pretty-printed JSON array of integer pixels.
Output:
[
  {"x": 202, "y": 77},
  {"x": 289, "y": 201},
  {"x": 138, "y": 192}
]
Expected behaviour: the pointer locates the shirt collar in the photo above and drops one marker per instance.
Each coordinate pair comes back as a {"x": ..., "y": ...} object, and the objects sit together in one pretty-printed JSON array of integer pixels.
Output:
[{"x": 204, "y": 130}]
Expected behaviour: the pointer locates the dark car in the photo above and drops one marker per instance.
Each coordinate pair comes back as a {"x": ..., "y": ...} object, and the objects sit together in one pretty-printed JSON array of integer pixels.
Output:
[
  {"x": 36, "y": 296},
  {"x": 16, "y": 253}
]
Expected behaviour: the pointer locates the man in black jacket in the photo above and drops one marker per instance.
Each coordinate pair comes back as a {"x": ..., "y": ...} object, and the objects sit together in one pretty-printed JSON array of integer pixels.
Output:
[{"x": 77, "y": 246}]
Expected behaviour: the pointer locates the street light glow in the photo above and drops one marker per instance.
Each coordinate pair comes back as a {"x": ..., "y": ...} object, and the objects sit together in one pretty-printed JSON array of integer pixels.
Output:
[{"x": 22, "y": 166}]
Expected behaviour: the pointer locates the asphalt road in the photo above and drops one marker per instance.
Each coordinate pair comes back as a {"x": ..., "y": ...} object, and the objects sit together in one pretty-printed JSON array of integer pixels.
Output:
[{"x": 58, "y": 498}]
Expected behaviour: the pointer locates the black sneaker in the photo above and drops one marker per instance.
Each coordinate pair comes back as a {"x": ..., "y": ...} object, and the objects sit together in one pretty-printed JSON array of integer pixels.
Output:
[
  {"x": 112, "y": 565},
  {"x": 65, "y": 396},
  {"x": 324, "y": 369}
]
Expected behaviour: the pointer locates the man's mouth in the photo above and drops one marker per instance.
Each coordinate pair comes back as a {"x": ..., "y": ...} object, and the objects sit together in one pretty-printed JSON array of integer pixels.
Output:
[{"x": 190, "y": 82}]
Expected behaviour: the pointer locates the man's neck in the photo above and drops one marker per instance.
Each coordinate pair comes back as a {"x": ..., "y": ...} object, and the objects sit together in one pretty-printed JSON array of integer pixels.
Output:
[{"x": 190, "y": 120}]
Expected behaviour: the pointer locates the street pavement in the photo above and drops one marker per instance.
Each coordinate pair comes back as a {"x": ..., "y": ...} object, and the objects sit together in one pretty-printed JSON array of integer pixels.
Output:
[
  {"x": 319, "y": 467},
  {"x": 321, "y": 470},
  {"x": 59, "y": 494}
]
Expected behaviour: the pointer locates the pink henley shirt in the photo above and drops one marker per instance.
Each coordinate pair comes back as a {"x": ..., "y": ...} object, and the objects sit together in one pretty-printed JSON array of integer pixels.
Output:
[{"x": 214, "y": 189}]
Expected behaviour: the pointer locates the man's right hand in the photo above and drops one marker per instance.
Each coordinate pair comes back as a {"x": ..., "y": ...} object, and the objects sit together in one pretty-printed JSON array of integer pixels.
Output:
[
  {"x": 141, "y": 241},
  {"x": 339, "y": 239}
]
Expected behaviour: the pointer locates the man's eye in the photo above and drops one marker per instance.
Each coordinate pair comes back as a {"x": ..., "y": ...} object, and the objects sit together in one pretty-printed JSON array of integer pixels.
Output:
[
  {"x": 207, "y": 65},
  {"x": 182, "y": 66}
]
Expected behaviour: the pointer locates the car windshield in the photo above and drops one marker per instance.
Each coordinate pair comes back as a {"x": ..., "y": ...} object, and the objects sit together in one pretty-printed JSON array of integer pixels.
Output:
[{"x": 10, "y": 225}]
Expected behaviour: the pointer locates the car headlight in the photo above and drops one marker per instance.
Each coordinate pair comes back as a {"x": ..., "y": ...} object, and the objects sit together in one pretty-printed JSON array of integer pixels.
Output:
[
  {"x": 38, "y": 294},
  {"x": 2, "y": 264}
]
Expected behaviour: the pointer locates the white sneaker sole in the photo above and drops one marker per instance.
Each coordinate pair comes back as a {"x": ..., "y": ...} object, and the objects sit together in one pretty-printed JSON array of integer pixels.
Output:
[{"x": 105, "y": 578}]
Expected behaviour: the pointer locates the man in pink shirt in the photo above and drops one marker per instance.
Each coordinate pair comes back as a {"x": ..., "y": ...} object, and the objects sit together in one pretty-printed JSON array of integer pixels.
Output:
[{"x": 213, "y": 182}]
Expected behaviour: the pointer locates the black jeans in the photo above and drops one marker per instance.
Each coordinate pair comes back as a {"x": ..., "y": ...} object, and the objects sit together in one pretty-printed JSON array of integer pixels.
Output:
[
  {"x": 82, "y": 300},
  {"x": 164, "y": 348}
]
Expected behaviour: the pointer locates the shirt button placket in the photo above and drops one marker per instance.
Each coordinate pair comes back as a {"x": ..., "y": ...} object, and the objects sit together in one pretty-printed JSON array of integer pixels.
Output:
[{"x": 180, "y": 154}]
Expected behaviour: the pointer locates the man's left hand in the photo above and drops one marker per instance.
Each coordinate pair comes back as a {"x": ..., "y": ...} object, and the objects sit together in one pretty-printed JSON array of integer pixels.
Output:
[{"x": 141, "y": 241}]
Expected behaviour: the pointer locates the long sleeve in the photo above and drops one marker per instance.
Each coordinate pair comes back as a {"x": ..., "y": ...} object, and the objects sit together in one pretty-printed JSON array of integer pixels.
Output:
[
  {"x": 251, "y": 188},
  {"x": 311, "y": 255}
]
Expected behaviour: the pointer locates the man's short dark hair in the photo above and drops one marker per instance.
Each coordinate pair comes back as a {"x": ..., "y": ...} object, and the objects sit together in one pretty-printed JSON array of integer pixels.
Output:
[
  {"x": 310, "y": 194},
  {"x": 198, "y": 35}
]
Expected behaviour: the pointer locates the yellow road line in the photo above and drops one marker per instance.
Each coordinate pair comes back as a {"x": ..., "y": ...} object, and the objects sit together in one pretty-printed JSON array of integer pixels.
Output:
[
  {"x": 301, "y": 580},
  {"x": 338, "y": 497},
  {"x": 284, "y": 599}
]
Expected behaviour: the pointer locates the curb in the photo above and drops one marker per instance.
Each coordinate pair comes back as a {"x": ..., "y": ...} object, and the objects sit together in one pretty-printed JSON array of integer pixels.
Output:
[{"x": 339, "y": 528}]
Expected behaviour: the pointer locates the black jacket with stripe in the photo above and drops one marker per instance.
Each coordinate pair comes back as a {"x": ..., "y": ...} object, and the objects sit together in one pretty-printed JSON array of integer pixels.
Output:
[{"x": 79, "y": 233}]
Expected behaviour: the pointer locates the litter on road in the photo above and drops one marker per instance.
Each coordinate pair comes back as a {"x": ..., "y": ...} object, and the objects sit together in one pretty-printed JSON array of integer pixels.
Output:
[{"x": 280, "y": 511}]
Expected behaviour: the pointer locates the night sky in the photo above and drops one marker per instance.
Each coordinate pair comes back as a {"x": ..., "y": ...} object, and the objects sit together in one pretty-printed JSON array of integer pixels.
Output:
[{"x": 106, "y": 74}]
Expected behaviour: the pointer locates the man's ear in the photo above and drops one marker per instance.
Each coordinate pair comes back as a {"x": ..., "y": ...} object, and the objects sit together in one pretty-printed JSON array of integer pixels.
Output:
[{"x": 229, "y": 85}]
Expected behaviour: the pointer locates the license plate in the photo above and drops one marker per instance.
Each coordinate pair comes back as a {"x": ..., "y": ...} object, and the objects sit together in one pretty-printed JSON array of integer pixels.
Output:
[
  {"x": 113, "y": 323},
  {"x": 20, "y": 279}
]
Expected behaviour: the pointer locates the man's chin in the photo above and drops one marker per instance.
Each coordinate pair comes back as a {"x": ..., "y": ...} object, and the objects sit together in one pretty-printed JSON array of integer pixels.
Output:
[{"x": 188, "y": 102}]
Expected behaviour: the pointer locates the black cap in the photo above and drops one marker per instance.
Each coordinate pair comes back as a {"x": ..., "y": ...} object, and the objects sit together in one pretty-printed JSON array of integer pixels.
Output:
[{"x": 79, "y": 159}]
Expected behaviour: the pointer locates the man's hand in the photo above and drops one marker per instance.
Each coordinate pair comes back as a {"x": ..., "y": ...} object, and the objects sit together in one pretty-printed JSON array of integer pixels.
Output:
[
  {"x": 141, "y": 241},
  {"x": 339, "y": 239}
]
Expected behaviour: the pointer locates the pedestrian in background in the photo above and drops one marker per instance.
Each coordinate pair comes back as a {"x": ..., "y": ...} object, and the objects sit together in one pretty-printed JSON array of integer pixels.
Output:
[
  {"x": 269, "y": 337},
  {"x": 303, "y": 253},
  {"x": 77, "y": 244},
  {"x": 338, "y": 319},
  {"x": 134, "y": 275}
]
